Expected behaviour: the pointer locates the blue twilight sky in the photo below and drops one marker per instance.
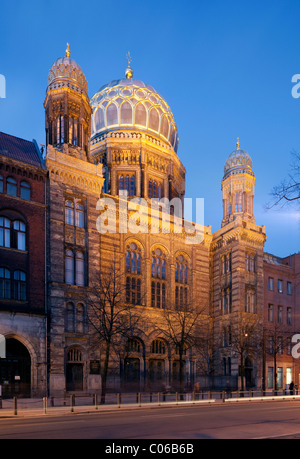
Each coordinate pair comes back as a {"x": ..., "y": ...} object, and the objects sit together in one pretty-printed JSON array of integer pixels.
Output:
[{"x": 224, "y": 67}]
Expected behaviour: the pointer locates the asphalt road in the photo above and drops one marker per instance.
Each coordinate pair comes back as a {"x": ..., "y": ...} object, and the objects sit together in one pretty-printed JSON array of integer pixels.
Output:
[{"x": 240, "y": 421}]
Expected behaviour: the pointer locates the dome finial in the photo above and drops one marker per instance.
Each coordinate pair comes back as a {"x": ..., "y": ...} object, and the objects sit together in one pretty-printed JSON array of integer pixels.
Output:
[
  {"x": 68, "y": 52},
  {"x": 129, "y": 72},
  {"x": 238, "y": 142}
]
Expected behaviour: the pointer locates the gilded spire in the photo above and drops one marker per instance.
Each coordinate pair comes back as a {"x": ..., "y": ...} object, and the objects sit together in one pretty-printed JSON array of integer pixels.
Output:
[
  {"x": 68, "y": 52},
  {"x": 129, "y": 71},
  {"x": 238, "y": 143}
]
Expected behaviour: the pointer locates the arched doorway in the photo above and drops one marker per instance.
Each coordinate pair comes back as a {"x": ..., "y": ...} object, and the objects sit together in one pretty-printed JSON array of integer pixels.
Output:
[
  {"x": 74, "y": 370},
  {"x": 15, "y": 370}
]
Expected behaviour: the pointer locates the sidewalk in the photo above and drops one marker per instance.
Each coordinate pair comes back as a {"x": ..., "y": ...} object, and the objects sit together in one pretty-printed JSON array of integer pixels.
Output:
[{"x": 38, "y": 407}]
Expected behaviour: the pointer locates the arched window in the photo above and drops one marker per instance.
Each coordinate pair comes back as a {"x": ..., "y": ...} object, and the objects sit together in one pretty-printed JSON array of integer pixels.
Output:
[
  {"x": 73, "y": 131},
  {"x": 80, "y": 269},
  {"x": 238, "y": 201},
  {"x": 60, "y": 129},
  {"x": 158, "y": 347},
  {"x": 5, "y": 224},
  {"x": 11, "y": 186},
  {"x": 126, "y": 113},
  {"x": 158, "y": 272},
  {"x": 1, "y": 184},
  {"x": 69, "y": 267},
  {"x": 5, "y": 284},
  {"x": 19, "y": 235},
  {"x": 69, "y": 212},
  {"x": 112, "y": 114},
  {"x": 164, "y": 129},
  {"x": 99, "y": 119},
  {"x": 140, "y": 115},
  {"x": 79, "y": 215},
  {"x": 20, "y": 285},
  {"x": 133, "y": 345},
  {"x": 80, "y": 318},
  {"x": 25, "y": 191},
  {"x": 133, "y": 274},
  {"x": 70, "y": 318},
  {"x": 154, "y": 119}
]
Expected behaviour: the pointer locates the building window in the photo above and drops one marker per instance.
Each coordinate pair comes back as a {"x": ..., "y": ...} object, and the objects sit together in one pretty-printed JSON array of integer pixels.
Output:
[
  {"x": 270, "y": 312},
  {"x": 158, "y": 347},
  {"x": 1, "y": 184},
  {"x": 250, "y": 262},
  {"x": 69, "y": 212},
  {"x": 5, "y": 284},
  {"x": 80, "y": 269},
  {"x": 158, "y": 295},
  {"x": 280, "y": 286},
  {"x": 70, "y": 318},
  {"x": 250, "y": 301},
  {"x": 25, "y": 191},
  {"x": 280, "y": 315},
  {"x": 181, "y": 270},
  {"x": 133, "y": 345},
  {"x": 79, "y": 215},
  {"x": 127, "y": 183},
  {"x": 73, "y": 131},
  {"x": 80, "y": 318},
  {"x": 154, "y": 189},
  {"x": 19, "y": 235},
  {"x": 289, "y": 316},
  {"x": 226, "y": 263},
  {"x": 158, "y": 271},
  {"x": 238, "y": 202},
  {"x": 11, "y": 186},
  {"x": 271, "y": 284},
  {"x": 226, "y": 300},
  {"x": 20, "y": 285},
  {"x": 133, "y": 270},
  {"x": 5, "y": 232},
  {"x": 69, "y": 267},
  {"x": 289, "y": 288}
]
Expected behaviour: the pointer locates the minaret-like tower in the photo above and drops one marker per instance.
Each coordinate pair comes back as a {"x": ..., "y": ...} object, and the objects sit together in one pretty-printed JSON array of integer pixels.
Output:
[
  {"x": 238, "y": 187},
  {"x": 237, "y": 284},
  {"x": 67, "y": 108}
]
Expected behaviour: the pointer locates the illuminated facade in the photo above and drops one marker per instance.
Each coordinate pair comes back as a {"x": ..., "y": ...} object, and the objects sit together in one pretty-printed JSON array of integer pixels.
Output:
[{"x": 125, "y": 140}]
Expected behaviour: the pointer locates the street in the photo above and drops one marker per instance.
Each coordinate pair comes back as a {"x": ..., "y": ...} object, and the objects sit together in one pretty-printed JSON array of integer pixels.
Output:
[{"x": 243, "y": 421}]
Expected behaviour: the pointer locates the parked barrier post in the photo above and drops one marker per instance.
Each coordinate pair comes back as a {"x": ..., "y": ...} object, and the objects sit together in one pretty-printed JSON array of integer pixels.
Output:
[{"x": 15, "y": 401}]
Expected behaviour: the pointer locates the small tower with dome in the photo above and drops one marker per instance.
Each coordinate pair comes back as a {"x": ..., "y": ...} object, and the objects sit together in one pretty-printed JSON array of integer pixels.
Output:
[
  {"x": 238, "y": 187},
  {"x": 67, "y": 108}
]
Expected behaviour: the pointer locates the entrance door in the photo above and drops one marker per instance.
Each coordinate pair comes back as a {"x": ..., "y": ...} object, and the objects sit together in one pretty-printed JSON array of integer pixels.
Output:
[
  {"x": 74, "y": 377},
  {"x": 132, "y": 374},
  {"x": 15, "y": 370}
]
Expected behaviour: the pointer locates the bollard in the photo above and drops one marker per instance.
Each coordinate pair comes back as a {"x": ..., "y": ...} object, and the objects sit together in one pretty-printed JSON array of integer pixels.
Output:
[
  {"x": 176, "y": 398},
  {"x": 15, "y": 400},
  {"x": 96, "y": 401},
  {"x": 72, "y": 402},
  {"x": 119, "y": 400},
  {"x": 139, "y": 400},
  {"x": 158, "y": 398}
]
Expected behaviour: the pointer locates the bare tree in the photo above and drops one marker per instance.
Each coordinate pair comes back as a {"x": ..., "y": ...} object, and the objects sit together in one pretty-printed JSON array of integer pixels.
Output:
[
  {"x": 112, "y": 319},
  {"x": 245, "y": 341},
  {"x": 288, "y": 191},
  {"x": 180, "y": 328}
]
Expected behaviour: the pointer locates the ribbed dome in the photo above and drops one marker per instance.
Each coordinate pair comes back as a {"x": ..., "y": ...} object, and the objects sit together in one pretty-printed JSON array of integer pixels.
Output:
[
  {"x": 66, "y": 72},
  {"x": 238, "y": 161},
  {"x": 132, "y": 104}
]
